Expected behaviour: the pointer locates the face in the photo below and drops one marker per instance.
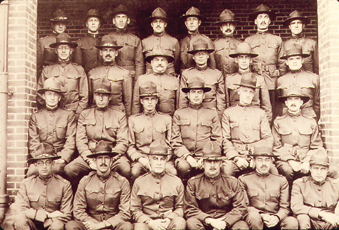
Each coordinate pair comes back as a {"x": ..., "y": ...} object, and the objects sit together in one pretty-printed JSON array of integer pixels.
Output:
[
  {"x": 108, "y": 54},
  {"x": 262, "y": 21},
  {"x": 294, "y": 62},
  {"x": 103, "y": 163},
  {"x": 149, "y": 103},
  {"x": 196, "y": 96},
  {"x": 293, "y": 104},
  {"x": 227, "y": 28},
  {"x": 157, "y": 163},
  {"x": 159, "y": 64},
  {"x": 243, "y": 61},
  {"x": 246, "y": 95},
  {"x": 201, "y": 57},
  {"x": 93, "y": 24},
  {"x": 51, "y": 98},
  {"x": 192, "y": 23},
  {"x": 318, "y": 172},
  {"x": 262, "y": 164},
  {"x": 296, "y": 27},
  {"x": 59, "y": 27},
  {"x": 121, "y": 21},
  {"x": 101, "y": 100},
  {"x": 211, "y": 167},
  {"x": 63, "y": 52},
  {"x": 158, "y": 26},
  {"x": 44, "y": 167}
]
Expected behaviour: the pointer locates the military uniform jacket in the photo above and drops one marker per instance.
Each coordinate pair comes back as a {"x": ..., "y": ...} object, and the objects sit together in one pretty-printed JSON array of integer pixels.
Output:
[
  {"x": 294, "y": 136},
  {"x": 157, "y": 197},
  {"x": 168, "y": 91},
  {"x": 220, "y": 197},
  {"x": 186, "y": 44},
  {"x": 144, "y": 129},
  {"x": 224, "y": 47},
  {"x": 95, "y": 125},
  {"x": 56, "y": 127},
  {"x": 130, "y": 55},
  {"x": 244, "y": 126},
  {"x": 74, "y": 81},
  {"x": 309, "y": 83},
  {"x": 121, "y": 85},
  {"x": 37, "y": 196},
  {"x": 168, "y": 43},
  {"x": 309, "y": 197},
  {"x": 269, "y": 50},
  {"x": 98, "y": 199},
  {"x": 193, "y": 127},
  {"x": 261, "y": 97},
  {"x": 268, "y": 193},
  {"x": 86, "y": 54},
  {"x": 214, "y": 99}
]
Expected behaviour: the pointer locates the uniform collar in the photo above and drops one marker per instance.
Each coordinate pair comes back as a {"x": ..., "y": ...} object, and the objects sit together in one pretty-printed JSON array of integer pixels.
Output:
[
  {"x": 244, "y": 106},
  {"x": 160, "y": 34},
  {"x": 297, "y": 35},
  {"x": 193, "y": 33},
  {"x": 45, "y": 180},
  {"x": 196, "y": 107},
  {"x": 201, "y": 68},
  {"x": 64, "y": 63},
  {"x": 109, "y": 63},
  {"x": 262, "y": 31},
  {"x": 318, "y": 183},
  {"x": 101, "y": 109},
  {"x": 294, "y": 114},
  {"x": 213, "y": 179},
  {"x": 150, "y": 114},
  {"x": 91, "y": 34},
  {"x": 244, "y": 72},
  {"x": 119, "y": 31},
  {"x": 263, "y": 175},
  {"x": 296, "y": 71},
  {"x": 52, "y": 109},
  {"x": 158, "y": 176}
]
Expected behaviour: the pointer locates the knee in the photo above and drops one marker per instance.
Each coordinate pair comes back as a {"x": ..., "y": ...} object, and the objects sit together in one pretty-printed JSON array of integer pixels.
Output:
[
  {"x": 229, "y": 168},
  {"x": 286, "y": 170},
  {"x": 126, "y": 225},
  {"x": 136, "y": 171},
  {"x": 138, "y": 226},
  {"x": 20, "y": 221},
  {"x": 32, "y": 170},
  {"x": 73, "y": 225},
  {"x": 304, "y": 221},
  {"x": 179, "y": 223},
  {"x": 183, "y": 168},
  {"x": 59, "y": 168},
  {"x": 57, "y": 225},
  {"x": 254, "y": 219},
  {"x": 170, "y": 168},
  {"x": 289, "y": 222},
  {"x": 240, "y": 225},
  {"x": 194, "y": 223}
]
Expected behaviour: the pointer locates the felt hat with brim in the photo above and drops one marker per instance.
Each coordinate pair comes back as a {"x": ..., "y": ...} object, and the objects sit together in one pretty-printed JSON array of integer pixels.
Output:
[
  {"x": 158, "y": 13},
  {"x": 192, "y": 12},
  {"x": 148, "y": 89},
  {"x": 212, "y": 151},
  {"x": 44, "y": 151},
  {"x": 243, "y": 49},
  {"x": 93, "y": 13},
  {"x": 262, "y": 150},
  {"x": 248, "y": 80},
  {"x": 159, "y": 51},
  {"x": 52, "y": 84},
  {"x": 63, "y": 39},
  {"x": 102, "y": 85},
  {"x": 196, "y": 83},
  {"x": 294, "y": 50},
  {"x": 108, "y": 41},
  {"x": 262, "y": 9},
  {"x": 121, "y": 9},
  {"x": 102, "y": 148},
  {"x": 226, "y": 16},
  {"x": 59, "y": 16},
  {"x": 296, "y": 15},
  {"x": 159, "y": 147},
  {"x": 200, "y": 45},
  {"x": 320, "y": 157},
  {"x": 293, "y": 92}
]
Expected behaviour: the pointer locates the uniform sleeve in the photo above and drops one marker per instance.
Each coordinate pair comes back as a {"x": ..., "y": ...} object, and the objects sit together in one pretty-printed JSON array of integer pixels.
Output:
[
  {"x": 127, "y": 91},
  {"x": 216, "y": 134},
  {"x": 316, "y": 58},
  {"x": 33, "y": 134},
  {"x": 78, "y": 54},
  {"x": 122, "y": 137},
  {"x": 180, "y": 149},
  {"x": 66, "y": 206},
  {"x": 177, "y": 57},
  {"x": 183, "y": 101},
  {"x": 229, "y": 149},
  {"x": 265, "y": 131},
  {"x": 179, "y": 204},
  {"x": 211, "y": 59},
  {"x": 69, "y": 146},
  {"x": 265, "y": 101},
  {"x": 281, "y": 63},
  {"x": 83, "y": 92},
  {"x": 278, "y": 149},
  {"x": 136, "y": 205},
  {"x": 315, "y": 142},
  {"x": 40, "y": 58},
  {"x": 81, "y": 138},
  {"x": 136, "y": 99},
  {"x": 316, "y": 99},
  {"x": 221, "y": 100},
  {"x": 139, "y": 61},
  {"x": 284, "y": 200},
  {"x": 133, "y": 153},
  {"x": 40, "y": 85}
]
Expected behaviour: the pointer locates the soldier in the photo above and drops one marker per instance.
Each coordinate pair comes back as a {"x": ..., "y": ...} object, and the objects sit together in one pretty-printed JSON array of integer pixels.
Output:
[
  {"x": 213, "y": 78},
  {"x": 130, "y": 55},
  {"x": 52, "y": 125},
  {"x": 243, "y": 57},
  {"x": 269, "y": 49},
  {"x": 167, "y": 85},
  {"x": 243, "y": 127},
  {"x": 214, "y": 200},
  {"x": 161, "y": 38},
  {"x": 295, "y": 136},
  {"x": 71, "y": 75},
  {"x": 102, "y": 198},
  {"x": 315, "y": 198},
  {"x": 308, "y": 82},
  {"x": 44, "y": 201},
  {"x": 193, "y": 19},
  {"x": 120, "y": 78},
  {"x": 86, "y": 54},
  {"x": 146, "y": 127},
  {"x": 157, "y": 197},
  {"x": 100, "y": 123},
  {"x": 227, "y": 44},
  {"x": 268, "y": 194},
  {"x": 296, "y": 22},
  {"x": 192, "y": 128},
  {"x": 46, "y": 55}
]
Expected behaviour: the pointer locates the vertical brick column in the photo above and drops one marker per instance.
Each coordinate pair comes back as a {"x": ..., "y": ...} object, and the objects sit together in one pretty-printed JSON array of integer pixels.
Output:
[
  {"x": 328, "y": 25},
  {"x": 22, "y": 33}
]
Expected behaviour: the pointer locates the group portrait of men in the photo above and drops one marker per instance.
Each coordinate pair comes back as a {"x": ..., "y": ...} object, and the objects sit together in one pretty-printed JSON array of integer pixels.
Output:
[{"x": 158, "y": 133}]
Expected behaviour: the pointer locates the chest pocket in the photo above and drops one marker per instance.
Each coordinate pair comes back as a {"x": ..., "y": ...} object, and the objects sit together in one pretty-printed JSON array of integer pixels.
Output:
[
  {"x": 61, "y": 132},
  {"x": 113, "y": 197},
  {"x": 128, "y": 51},
  {"x": 305, "y": 132},
  {"x": 255, "y": 44},
  {"x": 71, "y": 82},
  {"x": 185, "y": 128},
  {"x": 146, "y": 196},
  {"x": 42, "y": 132},
  {"x": 206, "y": 127},
  {"x": 54, "y": 202},
  {"x": 285, "y": 130},
  {"x": 112, "y": 129},
  {"x": 273, "y": 45},
  {"x": 160, "y": 132},
  {"x": 234, "y": 126},
  {"x": 274, "y": 196}
]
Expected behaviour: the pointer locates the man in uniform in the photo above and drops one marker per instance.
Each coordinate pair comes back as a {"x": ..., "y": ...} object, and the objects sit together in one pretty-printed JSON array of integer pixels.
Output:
[
  {"x": 243, "y": 57},
  {"x": 44, "y": 201},
  {"x": 214, "y": 200},
  {"x": 269, "y": 49},
  {"x": 295, "y": 136},
  {"x": 130, "y": 55},
  {"x": 307, "y": 82},
  {"x": 95, "y": 124},
  {"x": 315, "y": 198},
  {"x": 243, "y": 127},
  {"x": 227, "y": 44},
  {"x": 71, "y": 75},
  {"x": 296, "y": 22},
  {"x": 102, "y": 198},
  {"x": 146, "y": 127},
  {"x": 120, "y": 78},
  {"x": 52, "y": 125},
  {"x": 161, "y": 38},
  {"x": 193, "y": 127},
  {"x": 193, "y": 19},
  {"x": 45, "y": 54},
  {"x": 213, "y": 78},
  {"x": 157, "y": 197},
  {"x": 268, "y": 194},
  {"x": 167, "y": 85},
  {"x": 86, "y": 54}
]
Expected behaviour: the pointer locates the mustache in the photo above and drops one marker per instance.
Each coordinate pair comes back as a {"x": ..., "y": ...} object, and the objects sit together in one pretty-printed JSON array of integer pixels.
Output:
[
  {"x": 228, "y": 30},
  {"x": 103, "y": 164},
  {"x": 263, "y": 23},
  {"x": 108, "y": 56}
]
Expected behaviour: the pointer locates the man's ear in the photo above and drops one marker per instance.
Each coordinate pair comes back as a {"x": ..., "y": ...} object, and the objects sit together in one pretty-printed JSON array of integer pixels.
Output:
[{"x": 128, "y": 21}]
